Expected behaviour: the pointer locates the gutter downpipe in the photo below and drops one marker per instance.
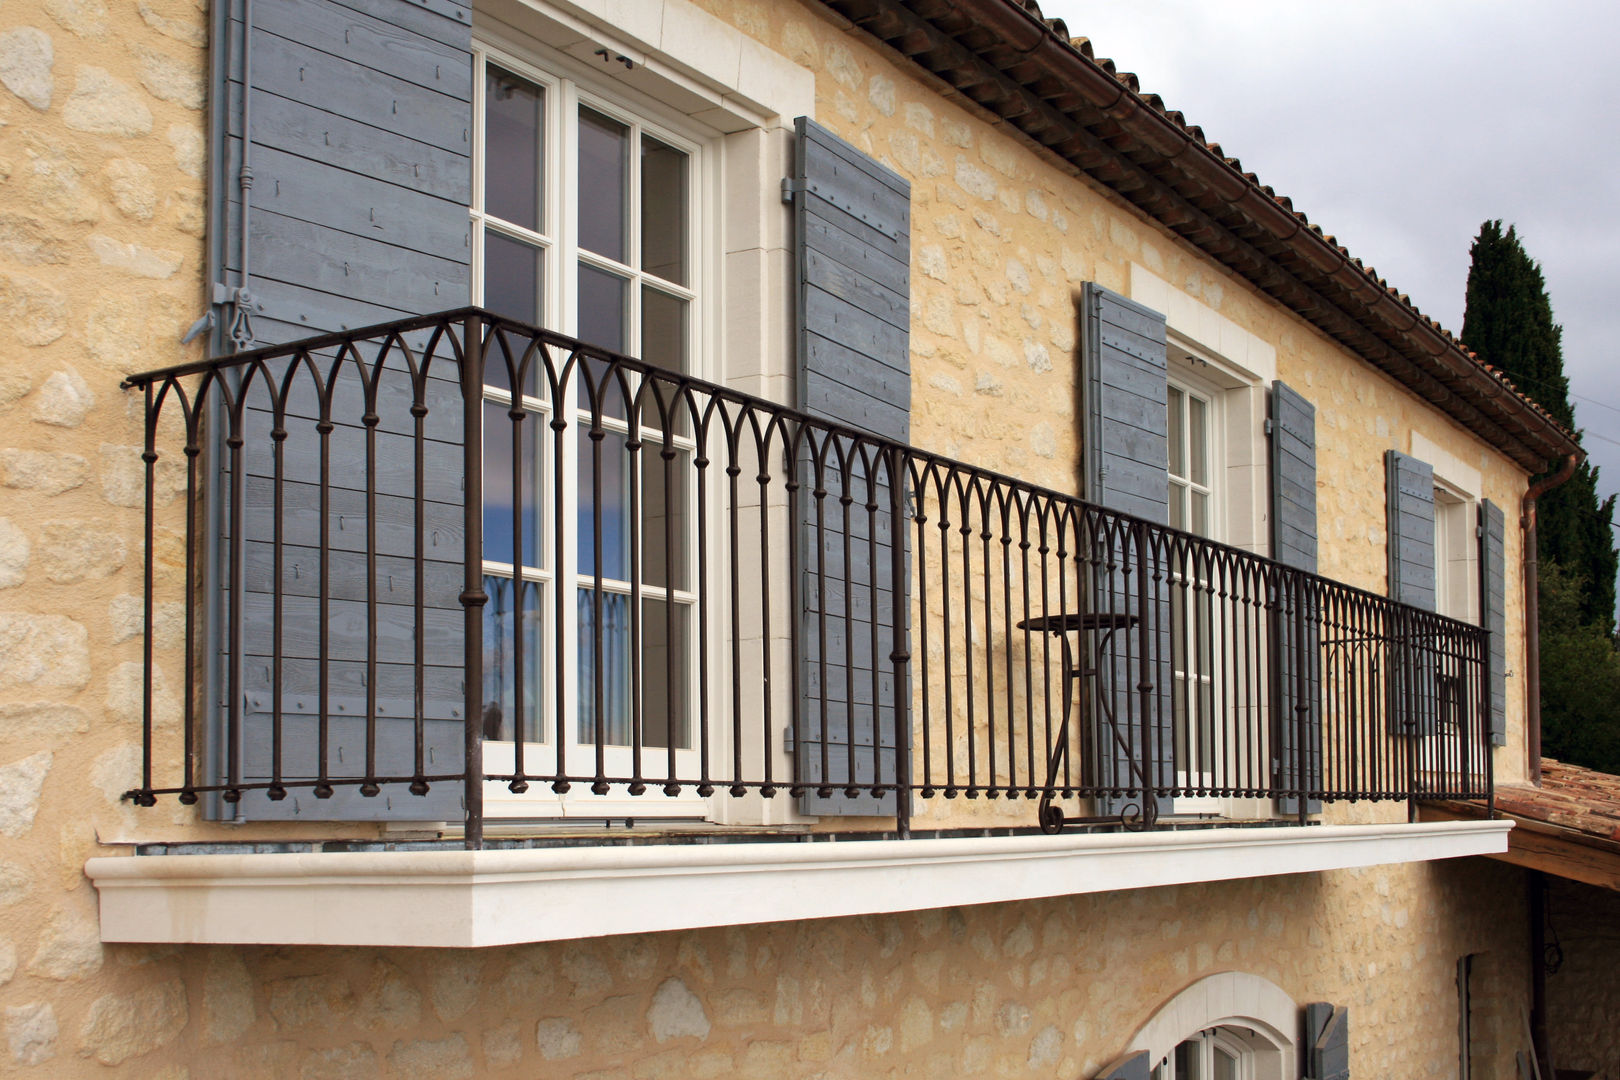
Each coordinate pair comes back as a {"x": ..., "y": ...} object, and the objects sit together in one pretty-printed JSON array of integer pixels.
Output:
[{"x": 1532, "y": 611}]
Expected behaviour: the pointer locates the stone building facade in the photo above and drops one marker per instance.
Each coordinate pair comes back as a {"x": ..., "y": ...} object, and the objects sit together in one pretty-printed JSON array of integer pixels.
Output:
[{"x": 105, "y": 147}]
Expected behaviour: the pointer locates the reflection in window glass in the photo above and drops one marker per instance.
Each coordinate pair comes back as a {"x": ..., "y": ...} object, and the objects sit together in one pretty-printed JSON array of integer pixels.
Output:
[
  {"x": 513, "y": 605},
  {"x": 610, "y": 656},
  {"x": 512, "y": 277},
  {"x": 604, "y": 184},
  {"x": 663, "y": 210},
  {"x": 514, "y": 109},
  {"x": 663, "y": 329},
  {"x": 501, "y": 515}
]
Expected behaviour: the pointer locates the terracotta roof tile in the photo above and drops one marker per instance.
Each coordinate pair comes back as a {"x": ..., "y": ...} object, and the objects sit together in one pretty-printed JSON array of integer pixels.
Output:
[
  {"x": 1083, "y": 46},
  {"x": 1570, "y": 796}
]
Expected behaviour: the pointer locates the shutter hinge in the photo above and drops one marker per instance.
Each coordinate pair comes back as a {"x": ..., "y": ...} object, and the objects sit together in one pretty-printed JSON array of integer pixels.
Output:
[
  {"x": 1268, "y": 427},
  {"x": 791, "y": 187},
  {"x": 1479, "y": 531},
  {"x": 246, "y": 305}
]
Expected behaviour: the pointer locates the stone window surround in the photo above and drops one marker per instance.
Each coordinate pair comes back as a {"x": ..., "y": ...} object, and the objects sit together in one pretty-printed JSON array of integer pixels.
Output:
[{"x": 1231, "y": 998}]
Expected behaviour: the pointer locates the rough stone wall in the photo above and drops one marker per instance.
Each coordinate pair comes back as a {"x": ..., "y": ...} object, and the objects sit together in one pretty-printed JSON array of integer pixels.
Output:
[
  {"x": 102, "y": 150},
  {"x": 1583, "y": 998},
  {"x": 1043, "y": 989}
]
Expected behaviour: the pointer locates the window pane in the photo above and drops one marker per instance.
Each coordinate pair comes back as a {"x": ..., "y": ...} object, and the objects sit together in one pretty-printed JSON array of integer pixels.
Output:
[
  {"x": 1178, "y": 506},
  {"x": 605, "y": 662},
  {"x": 501, "y": 514},
  {"x": 512, "y": 605},
  {"x": 1200, "y": 514},
  {"x": 1178, "y": 458},
  {"x": 603, "y": 299},
  {"x": 663, "y": 329},
  {"x": 604, "y": 506},
  {"x": 512, "y": 280},
  {"x": 665, "y": 515},
  {"x": 1199, "y": 449},
  {"x": 514, "y": 111},
  {"x": 1226, "y": 1065},
  {"x": 664, "y": 632},
  {"x": 604, "y": 317},
  {"x": 604, "y": 183},
  {"x": 663, "y": 210}
]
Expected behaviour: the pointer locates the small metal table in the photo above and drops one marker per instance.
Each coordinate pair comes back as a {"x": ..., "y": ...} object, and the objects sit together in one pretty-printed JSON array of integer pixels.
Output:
[{"x": 1103, "y": 624}]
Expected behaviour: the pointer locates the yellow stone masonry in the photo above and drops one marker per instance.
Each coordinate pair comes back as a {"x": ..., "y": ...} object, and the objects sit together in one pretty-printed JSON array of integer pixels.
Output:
[{"x": 103, "y": 154}]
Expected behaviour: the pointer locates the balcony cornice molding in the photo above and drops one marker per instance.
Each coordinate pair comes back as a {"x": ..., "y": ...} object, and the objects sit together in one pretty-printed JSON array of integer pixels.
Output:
[{"x": 470, "y": 899}]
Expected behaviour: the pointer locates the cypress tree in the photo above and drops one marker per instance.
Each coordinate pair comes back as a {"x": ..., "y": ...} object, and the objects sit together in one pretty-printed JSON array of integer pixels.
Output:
[{"x": 1508, "y": 321}]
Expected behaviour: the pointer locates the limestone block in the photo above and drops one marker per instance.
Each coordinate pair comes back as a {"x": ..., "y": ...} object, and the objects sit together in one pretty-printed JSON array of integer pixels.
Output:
[
  {"x": 63, "y": 400},
  {"x": 133, "y": 190},
  {"x": 676, "y": 1012},
  {"x": 48, "y": 721},
  {"x": 31, "y": 241},
  {"x": 14, "y": 384},
  {"x": 69, "y": 947},
  {"x": 127, "y": 620},
  {"x": 34, "y": 312},
  {"x": 31, "y": 1032},
  {"x": 116, "y": 771},
  {"x": 123, "y": 476},
  {"x": 340, "y": 1063},
  {"x": 126, "y": 696},
  {"x": 20, "y": 785},
  {"x": 8, "y": 962},
  {"x": 47, "y": 471},
  {"x": 388, "y": 1001},
  {"x": 135, "y": 259},
  {"x": 455, "y": 985},
  {"x": 503, "y": 1045},
  {"x": 86, "y": 18},
  {"x": 304, "y": 1000},
  {"x": 190, "y": 149},
  {"x": 168, "y": 79},
  {"x": 557, "y": 1038},
  {"x": 104, "y": 105},
  {"x": 42, "y": 651},
  {"x": 13, "y": 555},
  {"x": 228, "y": 1009},
  {"x": 432, "y": 1059},
  {"x": 26, "y": 57},
  {"x": 190, "y": 31},
  {"x": 15, "y": 882},
  {"x": 122, "y": 1026},
  {"x": 72, "y": 551}
]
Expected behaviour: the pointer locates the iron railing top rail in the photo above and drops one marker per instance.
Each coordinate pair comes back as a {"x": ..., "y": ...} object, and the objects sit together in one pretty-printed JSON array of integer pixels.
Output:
[{"x": 921, "y": 462}]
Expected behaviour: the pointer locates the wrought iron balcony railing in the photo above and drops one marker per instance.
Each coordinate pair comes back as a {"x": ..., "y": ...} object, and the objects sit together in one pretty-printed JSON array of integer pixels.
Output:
[{"x": 458, "y": 554}]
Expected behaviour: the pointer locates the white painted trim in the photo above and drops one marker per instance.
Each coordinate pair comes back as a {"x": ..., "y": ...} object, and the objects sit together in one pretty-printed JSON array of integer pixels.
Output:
[
  {"x": 482, "y": 898},
  {"x": 1228, "y": 997}
]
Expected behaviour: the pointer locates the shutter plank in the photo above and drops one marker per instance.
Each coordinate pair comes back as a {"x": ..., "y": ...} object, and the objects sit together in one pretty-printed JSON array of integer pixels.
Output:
[
  {"x": 361, "y": 124},
  {"x": 1412, "y": 684},
  {"x": 852, "y": 223},
  {"x": 1493, "y": 592},
  {"x": 1327, "y": 1041},
  {"x": 1294, "y": 543},
  {"x": 1125, "y": 468}
]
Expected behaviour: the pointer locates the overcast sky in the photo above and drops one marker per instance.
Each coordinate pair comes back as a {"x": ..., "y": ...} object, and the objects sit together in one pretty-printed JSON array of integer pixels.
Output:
[{"x": 1400, "y": 126}]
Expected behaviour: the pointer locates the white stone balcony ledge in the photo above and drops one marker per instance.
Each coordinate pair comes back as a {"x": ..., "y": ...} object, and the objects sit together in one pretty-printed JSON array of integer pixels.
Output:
[{"x": 472, "y": 899}]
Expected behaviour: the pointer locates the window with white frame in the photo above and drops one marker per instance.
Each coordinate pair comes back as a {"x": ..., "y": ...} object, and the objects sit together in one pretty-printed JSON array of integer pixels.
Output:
[
  {"x": 586, "y": 220},
  {"x": 1218, "y": 1053}
]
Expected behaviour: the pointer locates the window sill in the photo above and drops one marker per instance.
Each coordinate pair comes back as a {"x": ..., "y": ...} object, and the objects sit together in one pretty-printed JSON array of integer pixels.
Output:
[{"x": 466, "y": 899}]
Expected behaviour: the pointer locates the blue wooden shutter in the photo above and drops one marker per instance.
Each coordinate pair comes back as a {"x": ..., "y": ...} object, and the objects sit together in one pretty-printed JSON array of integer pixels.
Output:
[
  {"x": 1298, "y": 679},
  {"x": 852, "y": 219},
  {"x": 1132, "y": 1066},
  {"x": 1493, "y": 612},
  {"x": 359, "y": 150},
  {"x": 1412, "y": 678},
  {"x": 1125, "y": 465},
  {"x": 1327, "y": 1041}
]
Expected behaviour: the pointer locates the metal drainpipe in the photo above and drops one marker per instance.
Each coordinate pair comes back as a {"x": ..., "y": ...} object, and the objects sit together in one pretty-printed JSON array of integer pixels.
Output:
[{"x": 1532, "y": 611}]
